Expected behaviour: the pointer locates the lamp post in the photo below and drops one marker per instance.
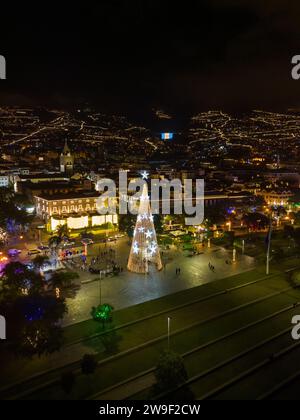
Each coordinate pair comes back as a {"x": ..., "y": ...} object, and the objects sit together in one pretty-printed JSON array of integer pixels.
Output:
[
  {"x": 100, "y": 286},
  {"x": 169, "y": 327},
  {"x": 234, "y": 255}
]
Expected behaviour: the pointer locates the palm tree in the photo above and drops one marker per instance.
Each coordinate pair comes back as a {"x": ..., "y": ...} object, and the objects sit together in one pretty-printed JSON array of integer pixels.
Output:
[
  {"x": 256, "y": 221},
  {"x": 39, "y": 261},
  {"x": 63, "y": 279},
  {"x": 54, "y": 241},
  {"x": 88, "y": 366},
  {"x": 170, "y": 371},
  {"x": 67, "y": 381},
  {"x": 62, "y": 231},
  {"x": 18, "y": 279}
]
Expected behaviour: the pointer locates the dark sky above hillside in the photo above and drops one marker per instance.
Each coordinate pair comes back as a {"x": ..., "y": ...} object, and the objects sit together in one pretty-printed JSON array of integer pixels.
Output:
[{"x": 135, "y": 54}]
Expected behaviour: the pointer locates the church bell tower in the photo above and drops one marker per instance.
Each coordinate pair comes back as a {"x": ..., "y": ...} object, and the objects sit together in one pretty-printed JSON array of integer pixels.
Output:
[{"x": 66, "y": 161}]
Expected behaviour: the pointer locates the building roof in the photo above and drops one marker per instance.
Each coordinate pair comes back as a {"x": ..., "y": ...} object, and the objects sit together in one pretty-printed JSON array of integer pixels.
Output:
[
  {"x": 55, "y": 175},
  {"x": 69, "y": 196},
  {"x": 47, "y": 185}
]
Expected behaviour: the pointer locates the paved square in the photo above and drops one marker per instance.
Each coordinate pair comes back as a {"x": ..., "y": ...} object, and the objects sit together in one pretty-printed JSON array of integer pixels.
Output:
[{"x": 129, "y": 289}]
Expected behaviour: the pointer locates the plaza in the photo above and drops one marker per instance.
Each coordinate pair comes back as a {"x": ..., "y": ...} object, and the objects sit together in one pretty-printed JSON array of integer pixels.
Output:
[{"x": 127, "y": 289}]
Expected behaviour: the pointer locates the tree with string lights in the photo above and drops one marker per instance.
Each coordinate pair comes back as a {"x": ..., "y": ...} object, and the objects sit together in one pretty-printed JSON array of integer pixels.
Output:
[{"x": 144, "y": 249}]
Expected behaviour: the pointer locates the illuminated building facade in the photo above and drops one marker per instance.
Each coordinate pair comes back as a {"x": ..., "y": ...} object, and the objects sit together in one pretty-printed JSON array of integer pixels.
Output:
[
  {"x": 276, "y": 198},
  {"x": 77, "y": 210}
]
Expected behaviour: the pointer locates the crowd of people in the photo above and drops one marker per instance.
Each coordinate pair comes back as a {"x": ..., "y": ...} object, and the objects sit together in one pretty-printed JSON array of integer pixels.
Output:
[{"x": 106, "y": 260}]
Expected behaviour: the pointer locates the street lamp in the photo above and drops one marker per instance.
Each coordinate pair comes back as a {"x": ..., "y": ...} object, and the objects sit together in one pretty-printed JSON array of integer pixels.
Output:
[
  {"x": 234, "y": 255},
  {"x": 169, "y": 327},
  {"x": 268, "y": 248},
  {"x": 100, "y": 286}
]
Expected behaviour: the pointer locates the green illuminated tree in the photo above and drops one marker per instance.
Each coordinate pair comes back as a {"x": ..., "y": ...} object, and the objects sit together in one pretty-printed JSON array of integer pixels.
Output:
[{"x": 102, "y": 313}]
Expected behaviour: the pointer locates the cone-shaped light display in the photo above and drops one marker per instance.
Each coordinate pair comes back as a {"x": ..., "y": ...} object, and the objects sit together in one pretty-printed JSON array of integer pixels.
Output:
[{"x": 144, "y": 249}]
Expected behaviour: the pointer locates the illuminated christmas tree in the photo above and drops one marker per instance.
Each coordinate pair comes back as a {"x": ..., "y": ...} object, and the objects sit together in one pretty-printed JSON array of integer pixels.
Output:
[{"x": 144, "y": 248}]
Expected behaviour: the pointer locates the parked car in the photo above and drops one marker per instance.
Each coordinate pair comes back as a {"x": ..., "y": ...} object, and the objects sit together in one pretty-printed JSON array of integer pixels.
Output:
[
  {"x": 111, "y": 239},
  {"x": 34, "y": 252},
  {"x": 13, "y": 252},
  {"x": 94, "y": 270},
  {"x": 43, "y": 248},
  {"x": 119, "y": 235},
  {"x": 87, "y": 241},
  {"x": 69, "y": 243}
]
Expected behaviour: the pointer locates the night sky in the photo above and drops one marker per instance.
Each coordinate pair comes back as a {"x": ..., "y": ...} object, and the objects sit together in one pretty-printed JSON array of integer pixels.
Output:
[{"x": 135, "y": 54}]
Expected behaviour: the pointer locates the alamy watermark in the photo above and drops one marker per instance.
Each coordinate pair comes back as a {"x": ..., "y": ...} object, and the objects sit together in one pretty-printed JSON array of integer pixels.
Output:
[
  {"x": 2, "y": 67},
  {"x": 296, "y": 68},
  {"x": 2, "y": 328},
  {"x": 187, "y": 198}
]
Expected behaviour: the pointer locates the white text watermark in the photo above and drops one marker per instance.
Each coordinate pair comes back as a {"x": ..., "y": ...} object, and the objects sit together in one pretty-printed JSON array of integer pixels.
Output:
[
  {"x": 2, "y": 67},
  {"x": 166, "y": 197},
  {"x": 2, "y": 328}
]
